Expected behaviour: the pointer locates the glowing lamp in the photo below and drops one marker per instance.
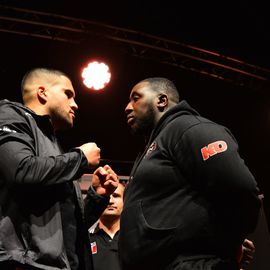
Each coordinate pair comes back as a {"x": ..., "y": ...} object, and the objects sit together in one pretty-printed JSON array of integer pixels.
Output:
[{"x": 96, "y": 75}]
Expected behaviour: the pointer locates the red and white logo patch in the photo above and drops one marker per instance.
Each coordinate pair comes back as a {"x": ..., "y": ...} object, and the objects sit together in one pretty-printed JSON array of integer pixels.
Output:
[
  {"x": 213, "y": 149},
  {"x": 94, "y": 247},
  {"x": 151, "y": 148}
]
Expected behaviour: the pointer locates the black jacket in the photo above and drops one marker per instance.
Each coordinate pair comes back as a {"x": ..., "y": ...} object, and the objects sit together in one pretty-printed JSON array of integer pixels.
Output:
[
  {"x": 42, "y": 219},
  {"x": 189, "y": 194}
]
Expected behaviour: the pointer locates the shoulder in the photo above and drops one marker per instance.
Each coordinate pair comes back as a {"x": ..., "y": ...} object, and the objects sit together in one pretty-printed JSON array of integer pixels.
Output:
[
  {"x": 15, "y": 117},
  {"x": 188, "y": 122},
  {"x": 10, "y": 108},
  {"x": 194, "y": 129}
]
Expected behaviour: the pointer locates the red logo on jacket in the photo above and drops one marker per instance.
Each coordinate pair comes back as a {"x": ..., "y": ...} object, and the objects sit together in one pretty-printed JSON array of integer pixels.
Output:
[
  {"x": 150, "y": 149},
  {"x": 94, "y": 247},
  {"x": 213, "y": 149}
]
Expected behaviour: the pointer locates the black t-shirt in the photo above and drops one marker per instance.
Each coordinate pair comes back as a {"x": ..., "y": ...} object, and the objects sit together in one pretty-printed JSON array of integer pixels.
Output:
[{"x": 104, "y": 251}]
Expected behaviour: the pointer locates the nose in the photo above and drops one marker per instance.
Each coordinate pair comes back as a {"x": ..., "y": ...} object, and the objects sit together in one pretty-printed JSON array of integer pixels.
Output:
[
  {"x": 74, "y": 105},
  {"x": 128, "y": 108},
  {"x": 111, "y": 200}
]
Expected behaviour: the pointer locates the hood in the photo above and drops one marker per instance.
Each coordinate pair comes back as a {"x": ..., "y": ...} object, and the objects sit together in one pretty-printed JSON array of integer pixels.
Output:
[{"x": 182, "y": 108}]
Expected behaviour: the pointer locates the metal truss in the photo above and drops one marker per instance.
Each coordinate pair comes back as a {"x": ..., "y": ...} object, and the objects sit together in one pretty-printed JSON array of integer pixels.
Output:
[{"x": 78, "y": 31}]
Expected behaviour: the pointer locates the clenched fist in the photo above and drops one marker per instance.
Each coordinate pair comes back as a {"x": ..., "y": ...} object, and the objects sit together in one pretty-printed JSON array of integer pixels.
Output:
[
  {"x": 105, "y": 180},
  {"x": 92, "y": 153}
]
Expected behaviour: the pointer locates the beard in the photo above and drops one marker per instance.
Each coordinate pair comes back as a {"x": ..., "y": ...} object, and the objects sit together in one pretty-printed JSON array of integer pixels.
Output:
[
  {"x": 144, "y": 125},
  {"x": 60, "y": 119}
]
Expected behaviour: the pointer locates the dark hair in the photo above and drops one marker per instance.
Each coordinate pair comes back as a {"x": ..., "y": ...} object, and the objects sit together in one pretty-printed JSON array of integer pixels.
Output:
[
  {"x": 35, "y": 72},
  {"x": 162, "y": 84}
]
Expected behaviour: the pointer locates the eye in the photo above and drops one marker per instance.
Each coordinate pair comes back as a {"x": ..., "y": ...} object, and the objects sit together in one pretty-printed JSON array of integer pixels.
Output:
[
  {"x": 69, "y": 93},
  {"x": 135, "y": 98}
]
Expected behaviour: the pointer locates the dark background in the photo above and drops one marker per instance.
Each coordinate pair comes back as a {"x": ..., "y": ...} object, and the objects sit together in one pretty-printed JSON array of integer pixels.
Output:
[{"x": 241, "y": 32}]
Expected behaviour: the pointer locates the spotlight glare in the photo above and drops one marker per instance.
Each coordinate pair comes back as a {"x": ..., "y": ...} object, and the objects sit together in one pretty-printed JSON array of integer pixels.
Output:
[{"x": 96, "y": 75}]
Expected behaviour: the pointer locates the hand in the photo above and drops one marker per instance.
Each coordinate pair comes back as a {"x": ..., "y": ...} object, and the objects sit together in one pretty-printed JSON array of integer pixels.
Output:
[
  {"x": 248, "y": 251},
  {"x": 92, "y": 153},
  {"x": 105, "y": 180}
]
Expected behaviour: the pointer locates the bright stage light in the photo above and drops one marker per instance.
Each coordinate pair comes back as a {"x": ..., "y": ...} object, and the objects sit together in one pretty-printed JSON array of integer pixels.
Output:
[{"x": 96, "y": 75}]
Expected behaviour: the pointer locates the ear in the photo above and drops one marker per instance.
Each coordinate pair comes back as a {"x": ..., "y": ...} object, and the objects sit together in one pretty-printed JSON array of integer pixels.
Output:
[
  {"x": 42, "y": 94},
  {"x": 162, "y": 102}
]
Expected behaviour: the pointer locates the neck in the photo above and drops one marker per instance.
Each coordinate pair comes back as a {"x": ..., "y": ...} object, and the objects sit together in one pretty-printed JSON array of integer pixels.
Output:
[
  {"x": 111, "y": 227},
  {"x": 37, "y": 108}
]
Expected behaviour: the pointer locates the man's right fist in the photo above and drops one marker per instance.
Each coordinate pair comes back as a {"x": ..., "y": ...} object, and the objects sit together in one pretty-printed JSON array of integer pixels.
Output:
[{"x": 92, "y": 153}]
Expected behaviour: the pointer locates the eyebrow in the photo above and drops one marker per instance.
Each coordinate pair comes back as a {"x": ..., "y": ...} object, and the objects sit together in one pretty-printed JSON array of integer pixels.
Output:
[{"x": 134, "y": 94}]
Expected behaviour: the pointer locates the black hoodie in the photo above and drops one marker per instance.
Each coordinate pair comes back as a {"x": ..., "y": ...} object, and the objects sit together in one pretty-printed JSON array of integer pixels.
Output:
[
  {"x": 43, "y": 219},
  {"x": 189, "y": 194}
]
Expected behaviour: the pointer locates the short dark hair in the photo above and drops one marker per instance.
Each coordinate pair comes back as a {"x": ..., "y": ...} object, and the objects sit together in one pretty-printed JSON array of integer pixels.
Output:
[
  {"x": 29, "y": 75},
  {"x": 164, "y": 84}
]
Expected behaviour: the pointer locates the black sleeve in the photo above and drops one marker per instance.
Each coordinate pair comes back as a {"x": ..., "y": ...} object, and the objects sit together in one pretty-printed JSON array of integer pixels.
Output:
[
  {"x": 208, "y": 155},
  {"x": 19, "y": 165},
  {"x": 19, "y": 162}
]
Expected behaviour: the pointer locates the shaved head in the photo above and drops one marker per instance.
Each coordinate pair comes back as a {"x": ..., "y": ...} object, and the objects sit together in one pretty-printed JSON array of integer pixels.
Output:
[
  {"x": 163, "y": 85},
  {"x": 38, "y": 77}
]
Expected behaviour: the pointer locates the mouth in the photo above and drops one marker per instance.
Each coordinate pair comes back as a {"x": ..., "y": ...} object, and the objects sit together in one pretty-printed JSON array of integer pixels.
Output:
[
  {"x": 110, "y": 208},
  {"x": 72, "y": 115},
  {"x": 130, "y": 119}
]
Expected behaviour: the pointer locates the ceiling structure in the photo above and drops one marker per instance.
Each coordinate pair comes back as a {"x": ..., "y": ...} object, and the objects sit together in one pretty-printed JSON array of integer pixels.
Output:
[
  {"x": 217, "y": 56},
  {"x": 62, "y": 28}
]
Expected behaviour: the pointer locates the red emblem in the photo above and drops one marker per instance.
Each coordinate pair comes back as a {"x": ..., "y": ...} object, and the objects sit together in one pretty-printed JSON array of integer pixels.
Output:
[
  {"x": 151, "y": 148},
  {"x": 94, "y": 247},
  {"x": 213, "y": 149}
]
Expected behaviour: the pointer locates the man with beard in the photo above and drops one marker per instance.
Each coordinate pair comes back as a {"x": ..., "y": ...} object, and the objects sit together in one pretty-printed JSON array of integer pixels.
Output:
[
  {"x": 43, "y": 219},
  {"x": 190, "y": 201}
]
